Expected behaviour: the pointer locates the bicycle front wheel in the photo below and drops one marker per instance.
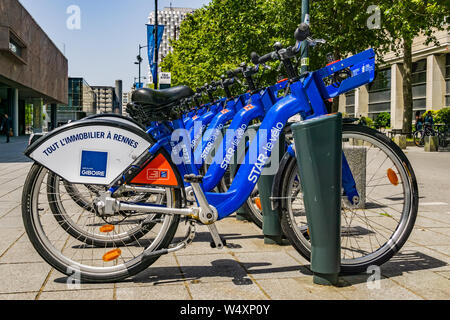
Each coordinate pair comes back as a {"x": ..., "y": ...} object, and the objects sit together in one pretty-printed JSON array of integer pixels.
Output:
[{"x": 379, "y": 226}]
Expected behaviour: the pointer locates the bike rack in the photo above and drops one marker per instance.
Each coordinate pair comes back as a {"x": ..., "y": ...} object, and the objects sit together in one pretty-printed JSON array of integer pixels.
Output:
[{"x": 319, "y": 154}]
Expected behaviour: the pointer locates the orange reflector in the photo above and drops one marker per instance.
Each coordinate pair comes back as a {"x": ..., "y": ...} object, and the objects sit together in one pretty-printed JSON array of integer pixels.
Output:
[
  {"x": 393, "y": 178},
  {"x": 112, "y": 255},
  {"x": 258, "y": 203},
  {"x": 106, "y": 228},
  {"x": 307, "y": 231}
]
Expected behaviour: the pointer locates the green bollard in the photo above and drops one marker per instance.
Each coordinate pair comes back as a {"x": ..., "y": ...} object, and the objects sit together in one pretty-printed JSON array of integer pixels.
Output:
[
  {"x": 271, "y": 219},
  {"x": 319, "y": 154}
]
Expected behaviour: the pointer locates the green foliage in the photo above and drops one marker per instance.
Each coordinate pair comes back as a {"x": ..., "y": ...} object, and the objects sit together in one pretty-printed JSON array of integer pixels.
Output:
[
  {"x": 217, "y": 38},
  {"x": 443, "y": 116},
  {"x": 28, "y": 114},
  {"x": 222, "y": 34},
  {"x": 369, "y": 122},
  {"x": 383, "y": 120},
  {"x": 404, "y": 20}
]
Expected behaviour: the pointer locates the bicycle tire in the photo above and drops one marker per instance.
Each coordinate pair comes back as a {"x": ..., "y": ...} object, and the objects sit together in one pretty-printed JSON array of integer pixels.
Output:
[
  {"x": 296, "y": 234},
  {"x": 31, "y": 209}
]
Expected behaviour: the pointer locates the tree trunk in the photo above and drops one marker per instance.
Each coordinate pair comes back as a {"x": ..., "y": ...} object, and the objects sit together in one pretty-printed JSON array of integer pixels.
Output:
[{"x": 407, "y": 86}]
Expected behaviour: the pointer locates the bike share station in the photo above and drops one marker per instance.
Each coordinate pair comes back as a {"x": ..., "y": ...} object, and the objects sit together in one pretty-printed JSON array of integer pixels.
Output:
[{"x": 127, "y": 167}]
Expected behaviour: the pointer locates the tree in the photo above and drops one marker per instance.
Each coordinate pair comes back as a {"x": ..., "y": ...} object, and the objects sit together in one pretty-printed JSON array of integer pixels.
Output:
[
  {"x": 402, "y": 22},
  {"x": 221, "y": 35},
  {"x": 217, "y": 38}
]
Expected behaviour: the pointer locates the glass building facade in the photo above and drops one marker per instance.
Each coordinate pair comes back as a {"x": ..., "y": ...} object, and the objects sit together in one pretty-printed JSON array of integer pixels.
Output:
[
  {"x": 82, "y": 101},
  {"x": 380, "y": 93}
]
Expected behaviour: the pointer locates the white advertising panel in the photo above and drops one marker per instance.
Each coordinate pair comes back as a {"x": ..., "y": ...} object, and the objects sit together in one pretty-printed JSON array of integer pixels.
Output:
[{"x": 90, "y": 154}]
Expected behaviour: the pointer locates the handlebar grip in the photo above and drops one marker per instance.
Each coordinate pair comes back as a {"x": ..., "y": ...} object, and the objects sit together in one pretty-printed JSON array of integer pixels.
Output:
[
  {"x": 256, "y": 59},
  {"x": 303, "y": 32}
]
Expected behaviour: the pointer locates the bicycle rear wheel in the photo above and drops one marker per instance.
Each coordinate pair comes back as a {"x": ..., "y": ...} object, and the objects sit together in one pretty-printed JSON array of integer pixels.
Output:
[
  {"x": 376, "y": 229},
  {"x": 74, "y": 256}
]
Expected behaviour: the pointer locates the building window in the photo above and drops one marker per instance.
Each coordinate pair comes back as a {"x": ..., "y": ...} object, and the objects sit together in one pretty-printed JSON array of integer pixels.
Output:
[
  {"x": 380, "y": 93},
  {"x": 15, "y": 47},
  {"x": 350, "y": 104},
  {"x": 419, "y": 85}
]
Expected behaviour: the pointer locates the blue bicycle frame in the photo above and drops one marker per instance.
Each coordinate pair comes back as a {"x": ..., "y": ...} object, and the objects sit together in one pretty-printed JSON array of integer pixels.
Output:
[{"x": 307, "y": 99}]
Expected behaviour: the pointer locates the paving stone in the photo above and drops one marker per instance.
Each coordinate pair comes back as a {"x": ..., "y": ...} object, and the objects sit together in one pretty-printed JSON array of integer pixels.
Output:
[
  {"x": 420, "y": 270},
  {"x": 163, "y": 272},
  {"x": 444, "y": 249},
  {"x": 101, "y": 294},
  {"x": 156, "y": 292},
  {"x": 428, "y": 237},
  {"x": 212, "y": 268},
  {"x": 21, "y": 253},
  {"x": 357, "y": 288},
  {"x": 270, "y": 265},
  {"x": 8, "y": 237},
  {"x": 19, "y": 278},
  {"x": 60, "y": 282},
  {"x": 301, "y": 288},
  {"x": 413, "y": 259},
  {"x": 11, "y": 222},
  {"x": 423, "y": 222},
  {"x": 445, "y": 274},
  {"x": 427, "y": 285},
  {"x": 18, "y": 296},
  {"x": 226, "y": 291}
]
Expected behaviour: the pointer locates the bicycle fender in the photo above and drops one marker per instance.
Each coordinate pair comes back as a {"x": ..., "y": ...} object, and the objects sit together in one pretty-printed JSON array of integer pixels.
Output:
[{"x": 93, "y": 151}]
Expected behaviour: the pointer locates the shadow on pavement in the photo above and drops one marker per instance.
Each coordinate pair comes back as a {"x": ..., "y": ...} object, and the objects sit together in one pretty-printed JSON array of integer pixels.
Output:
[
  {"x": 238, "y": 271},
  {"x": 406, "y": 261},
  {"x": 224, "y": 268},
  {"x": 13, "y": 152}
]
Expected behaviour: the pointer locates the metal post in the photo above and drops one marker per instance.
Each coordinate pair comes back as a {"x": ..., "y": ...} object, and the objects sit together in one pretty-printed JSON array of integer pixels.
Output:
[
  {"x": 272, "y": 231},
  {"x": 155, "y": 80},
  {"x": 305, "y": 50},
  {"x": 53, "y": 115},
  {"x": 320, "y": 169},
  {"x": 140, "y": 61}
]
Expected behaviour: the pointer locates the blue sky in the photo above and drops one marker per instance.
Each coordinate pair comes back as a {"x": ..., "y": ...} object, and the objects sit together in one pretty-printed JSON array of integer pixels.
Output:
[{"x": 106, "y": 46}]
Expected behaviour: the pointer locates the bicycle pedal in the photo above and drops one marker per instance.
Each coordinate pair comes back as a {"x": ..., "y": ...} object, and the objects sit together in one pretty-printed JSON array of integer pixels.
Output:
[{"x": 192, "y": 178}]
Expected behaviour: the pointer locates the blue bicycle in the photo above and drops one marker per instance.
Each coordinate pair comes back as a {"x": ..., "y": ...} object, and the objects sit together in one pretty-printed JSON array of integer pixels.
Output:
[{"x": 379, "y": 188}]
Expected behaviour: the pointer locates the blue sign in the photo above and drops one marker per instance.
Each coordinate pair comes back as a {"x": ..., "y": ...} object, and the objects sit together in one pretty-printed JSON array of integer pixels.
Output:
[
  {"x": 93, "y": 164},
  {"x": 151, "y": 46},
  {"x": 164, "y": 174}
]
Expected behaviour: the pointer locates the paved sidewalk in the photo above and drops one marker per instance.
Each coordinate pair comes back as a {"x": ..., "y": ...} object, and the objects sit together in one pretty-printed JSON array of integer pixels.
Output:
[{"x": 247, "y": 270}]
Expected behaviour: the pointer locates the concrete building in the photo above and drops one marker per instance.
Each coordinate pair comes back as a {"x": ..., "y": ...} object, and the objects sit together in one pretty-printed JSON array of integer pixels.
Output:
[
  {"x": 431, "y": 83},
  {"x": 171, "y": 18},
  {"x": 107, "y": 100},
  {"x": 82, "y": 102},
  {"x": 126, "y": 98},
  {"x": 33, "y": 72}
]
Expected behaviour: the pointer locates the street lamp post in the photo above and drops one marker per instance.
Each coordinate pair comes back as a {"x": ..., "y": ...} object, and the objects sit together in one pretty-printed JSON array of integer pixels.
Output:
[
  {"x": 139, "y": 61},
  {"x": 155, "y": 80},
  {"x": 305, "y": 53}
]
